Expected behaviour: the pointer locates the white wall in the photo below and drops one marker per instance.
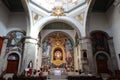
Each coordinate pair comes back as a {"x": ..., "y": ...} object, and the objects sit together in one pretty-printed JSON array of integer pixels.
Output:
[
  {"x": 4, "y": 14},
  {"x": 11, "y": 20},
  {"x": 113, "y": 15},
  {"x": 98, "y": 21},
  {"x": 17, "y": 21}
]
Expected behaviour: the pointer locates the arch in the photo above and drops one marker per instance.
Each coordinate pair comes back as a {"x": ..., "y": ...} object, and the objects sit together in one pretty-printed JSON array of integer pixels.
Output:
[
  {"x": 71, "y": 21},
  {"x": 22, "y": 31},
  {"x": 19, "y": 62},
  {"x": 28, "y": 14},
  {"x": 106, "y": 34},
  {"x": 99, "y": 41},
  {"x": 70, "y": 37},
  {"x": 88, "y": 17},
  {"x": 108, "y": 57}
]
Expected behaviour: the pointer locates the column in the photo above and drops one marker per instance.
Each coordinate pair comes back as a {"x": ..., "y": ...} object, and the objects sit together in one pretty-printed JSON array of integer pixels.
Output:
[
  {"x": 91, "y": 59},
  {"x": 80, "y": 57},
  {"x": 40, "y": 57},
  {"x": 86, "y": 45},
  {"x": 30, "y": 53},
  {"x": 75, "y": 59}
]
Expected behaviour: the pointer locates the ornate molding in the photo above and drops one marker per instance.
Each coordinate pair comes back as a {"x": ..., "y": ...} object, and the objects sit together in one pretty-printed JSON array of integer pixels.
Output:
[
  {"x": 80, "y": 17},
  {"x": 36, "y": 17},
  {"x": 58, "y": 11}
]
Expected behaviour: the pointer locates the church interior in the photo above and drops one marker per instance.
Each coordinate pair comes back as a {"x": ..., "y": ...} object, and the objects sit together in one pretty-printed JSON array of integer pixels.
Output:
[{"x": 59, "y": 40}]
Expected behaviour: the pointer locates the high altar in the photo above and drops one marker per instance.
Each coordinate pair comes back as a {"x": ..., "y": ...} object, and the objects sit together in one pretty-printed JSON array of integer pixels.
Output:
[
  {"x": 57, "y": 52},
  {"x": 57, "y": 73}
]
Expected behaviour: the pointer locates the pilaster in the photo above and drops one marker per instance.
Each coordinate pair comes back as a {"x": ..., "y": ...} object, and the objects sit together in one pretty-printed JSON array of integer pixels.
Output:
[
  {"x": 113, "y": 54},
  {"x": 75, "y": 59},
  {"x": 80, "y": 57},
  {"x": 30, "y": 53},
  {"x": 88, "y": 63}
]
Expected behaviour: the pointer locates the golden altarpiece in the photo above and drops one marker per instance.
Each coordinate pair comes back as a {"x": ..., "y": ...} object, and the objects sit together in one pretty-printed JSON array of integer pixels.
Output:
[{"x": 57, "y": 52}]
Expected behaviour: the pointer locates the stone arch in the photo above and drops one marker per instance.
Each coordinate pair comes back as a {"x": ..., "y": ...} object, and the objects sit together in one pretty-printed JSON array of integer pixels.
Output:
[
  {"x": 73, "y": 41},
  {"x": 99, "y": 41},
  {"x": 72, "y": 22},
  {"x": 28, "y": 14},
  {"x": 15, "y": 31},
  {"x": 106, "y": 34},
  {"x": 88, "y": 16}
]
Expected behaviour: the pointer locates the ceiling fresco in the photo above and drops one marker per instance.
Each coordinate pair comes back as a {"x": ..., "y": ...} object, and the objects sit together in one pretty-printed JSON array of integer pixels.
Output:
[{"x": 66, "y": 5}]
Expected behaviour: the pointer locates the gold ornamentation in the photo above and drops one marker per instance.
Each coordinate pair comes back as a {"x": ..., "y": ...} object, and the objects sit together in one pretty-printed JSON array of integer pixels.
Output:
[
  {"x": 36, "y": 17},
  {"x": 80, "y": 18},
  {"x": 58, "y": 51},
  {"x": 58, "y": 11},
  {"x": 58, "y": 55}
]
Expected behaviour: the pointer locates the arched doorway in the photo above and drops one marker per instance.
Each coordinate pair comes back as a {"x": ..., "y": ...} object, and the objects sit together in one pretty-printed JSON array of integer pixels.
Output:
[
  {"x": 13, "y": 63},
  {"x": 102, "y": 63}
]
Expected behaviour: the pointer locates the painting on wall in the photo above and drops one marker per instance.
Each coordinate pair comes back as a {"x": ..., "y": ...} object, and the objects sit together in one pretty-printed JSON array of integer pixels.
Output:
[
  {"x": 15, "y": 41},
  {"x": 99, "y": 42},
  {"x": 57, "y": 51}
]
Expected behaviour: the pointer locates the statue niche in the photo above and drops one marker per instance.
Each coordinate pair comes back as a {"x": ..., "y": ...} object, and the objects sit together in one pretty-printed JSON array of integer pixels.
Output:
[{"x": 58, "y": 54}]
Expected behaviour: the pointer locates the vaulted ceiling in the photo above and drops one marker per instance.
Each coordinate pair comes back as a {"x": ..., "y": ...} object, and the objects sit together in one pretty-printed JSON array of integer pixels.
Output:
[
  {"x": 102, "y": 5},
  {"x": 99, "y": 6},
  {"x": 14, "y": 5}
]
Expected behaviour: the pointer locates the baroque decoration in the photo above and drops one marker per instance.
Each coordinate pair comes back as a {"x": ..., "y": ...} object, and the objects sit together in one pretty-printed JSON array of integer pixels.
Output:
[
  {"x": 80, "y": 17},
  {"x": 36, "y": 17},
  {"x": 57, "y": 51},
  {"x": 58, "y": 11}
]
